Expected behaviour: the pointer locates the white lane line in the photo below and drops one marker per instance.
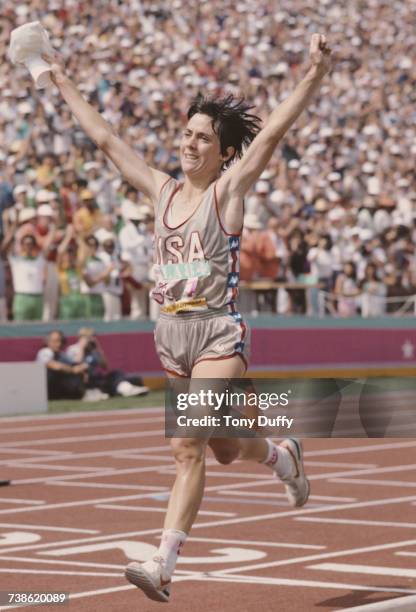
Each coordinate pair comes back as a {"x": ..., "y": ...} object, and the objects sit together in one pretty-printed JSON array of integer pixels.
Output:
[
  {"x": 405, "y": 554},
  {"x": 54, "y": 467},
  {"x": 257, "y": 543},
  {"x": 373, "y": 447},
  {"x": 93, "y": 424},
  {"x": 42, "y": 454},
  {"x": 48, "y": 528},
  {"x": 158, "y": 509},
  {"x": 381, "y": 483},
  {"x": 373, "y": 570},
  {"x": 102, "y": 485},
  {"x": 77, "y": 504},
  {"x": 17, "y": 500},
  {"x": 105, "y": 472},
  {"x": 57, "y": 572},
  {"x": 335, "y": 464},
  {"x": 312, "y": 519},
  {"x": 157, "y": 433},
  {"x": 74, "y": 456},
  {"x": 204, "y": 525},
  {"x": 329, "y": 555},
  {"x": 84, "y": 564},
  {"x": 279, "y": 495},
  {"x": 219, "y": 577},
  {"x": 395, "y": 604}
]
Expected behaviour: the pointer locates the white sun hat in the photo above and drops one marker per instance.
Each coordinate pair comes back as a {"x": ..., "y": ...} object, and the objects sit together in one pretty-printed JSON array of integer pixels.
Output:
[{"x": 27, "y": 45}]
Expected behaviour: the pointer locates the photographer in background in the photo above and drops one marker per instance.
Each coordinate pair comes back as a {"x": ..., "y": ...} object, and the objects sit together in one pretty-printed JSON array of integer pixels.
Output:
[
  {"x": 88, "y": 351},
  {"x": 65, "y": 379}
]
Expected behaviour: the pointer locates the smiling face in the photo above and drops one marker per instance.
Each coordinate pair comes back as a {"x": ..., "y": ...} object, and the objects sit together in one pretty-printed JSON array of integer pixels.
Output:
[{"x": 200, "y": 149}]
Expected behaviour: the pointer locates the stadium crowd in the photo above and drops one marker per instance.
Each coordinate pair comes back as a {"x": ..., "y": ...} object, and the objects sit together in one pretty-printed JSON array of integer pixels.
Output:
[{"x": 336, "y": 207}]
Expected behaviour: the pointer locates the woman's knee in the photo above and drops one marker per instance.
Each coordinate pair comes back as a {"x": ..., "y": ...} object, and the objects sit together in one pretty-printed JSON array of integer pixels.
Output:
[{"x": 188, "y": 450}]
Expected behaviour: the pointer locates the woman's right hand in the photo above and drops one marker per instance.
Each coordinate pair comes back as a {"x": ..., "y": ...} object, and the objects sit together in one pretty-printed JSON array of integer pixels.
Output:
[{"x": 57, "y": 67}]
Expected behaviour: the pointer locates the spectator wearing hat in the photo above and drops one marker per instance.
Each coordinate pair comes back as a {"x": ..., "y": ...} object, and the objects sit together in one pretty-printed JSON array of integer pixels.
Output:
[
  {"x": 88, "y": 216},
  {"x": 137, "y": 250},
  {"x": 72, "y": 303}
]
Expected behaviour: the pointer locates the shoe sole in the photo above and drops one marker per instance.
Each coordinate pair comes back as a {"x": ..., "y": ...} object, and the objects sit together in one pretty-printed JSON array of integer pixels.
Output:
[
  {"x": 298, "y": 459},
  {"x": 142, "y": 580}
]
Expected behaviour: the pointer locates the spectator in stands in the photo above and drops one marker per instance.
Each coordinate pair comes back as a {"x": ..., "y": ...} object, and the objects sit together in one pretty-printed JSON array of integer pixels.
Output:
[
  {"x": 114, "y": 283},
  {"x": 29, "y": 274},
  {"x": 374, "y": 292},
  {"x": 95, "y": 273},
  {"x": 88, "y": 351},
  {"x": 72, "y": 303},
  {"x": 87, "y": 218},
  {"x": 136, "y": 250},
  {"x": 65, "y": 379},
  {"x": 347, "y": 291}
]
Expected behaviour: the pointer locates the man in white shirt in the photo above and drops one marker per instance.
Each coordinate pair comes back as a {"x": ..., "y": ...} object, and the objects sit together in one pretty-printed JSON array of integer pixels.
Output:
[{"x": 136, "y": 249}]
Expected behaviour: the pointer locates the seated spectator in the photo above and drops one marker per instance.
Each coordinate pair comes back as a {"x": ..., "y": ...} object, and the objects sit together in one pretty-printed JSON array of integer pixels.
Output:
[
  {"x": 88, "y": 351},
  {"x": 65, "y": 379},
  {"x": 3, "y": 304}
]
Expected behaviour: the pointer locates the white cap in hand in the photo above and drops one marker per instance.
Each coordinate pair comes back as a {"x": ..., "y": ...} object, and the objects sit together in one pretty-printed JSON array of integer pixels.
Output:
[{"x": 27, "y": 44}]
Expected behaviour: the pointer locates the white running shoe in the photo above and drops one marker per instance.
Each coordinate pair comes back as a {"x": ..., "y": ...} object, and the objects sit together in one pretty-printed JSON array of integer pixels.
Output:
[
  {"x": 297, "y": 485},
  {"x": 126, "y": 389},
  {"x": 150, "y": 579},
  {"x": 94, "y": 395}
]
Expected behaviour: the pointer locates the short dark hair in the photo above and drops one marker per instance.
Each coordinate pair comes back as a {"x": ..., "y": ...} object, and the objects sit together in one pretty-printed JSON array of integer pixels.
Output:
[{"x": 231, "y": 122}]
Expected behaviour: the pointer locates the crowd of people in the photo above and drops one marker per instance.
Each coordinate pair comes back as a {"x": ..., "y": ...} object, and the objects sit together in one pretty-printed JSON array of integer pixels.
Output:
[{"x": 335, "y": 209}]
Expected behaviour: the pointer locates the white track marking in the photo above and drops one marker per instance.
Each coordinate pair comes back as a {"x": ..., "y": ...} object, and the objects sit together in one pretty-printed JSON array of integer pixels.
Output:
[
  {"x": 256, "y": 543},
  {"x": 240, "y": 520},
  {"x": 17, "y": 500},
  {"x": 73, "y": 455},
  {"x": 406, "y": 554},
  {"x": 57, "y": 572},
  {"x": 18, "y": 537},
  {"x": 381, "y": 483},
  {"x": 217, "y": 576},
  {"x": 54, "y": 467},
  {"x": 75, "y": 504},
  {"x": 48, "y": 528},
  {"x": 158, "y": 509},
  {"x": 373, "y": 447},
  {"x": 36, "y": 560},
  {"x": 156, "y": 433},
  {"x": 102, "y": 485},
  {"x": 283, "y": 495},
  {"x": 373, "y": 570},
  {"x": 312, "y": 519},
  {"x": 328, "y": 555},
  {"x": 334, "y": 464},
  {"x": 98, "y": 474},
  {"x": 92, "y": 424}
]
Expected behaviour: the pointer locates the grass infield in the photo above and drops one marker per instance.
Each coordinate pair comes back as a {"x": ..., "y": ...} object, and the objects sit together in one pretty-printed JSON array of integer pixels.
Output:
[{"x": 152, "y": 400}]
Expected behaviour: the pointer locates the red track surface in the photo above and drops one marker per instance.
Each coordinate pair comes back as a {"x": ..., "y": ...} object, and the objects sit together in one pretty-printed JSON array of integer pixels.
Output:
[{"x": 89, "y": 491}]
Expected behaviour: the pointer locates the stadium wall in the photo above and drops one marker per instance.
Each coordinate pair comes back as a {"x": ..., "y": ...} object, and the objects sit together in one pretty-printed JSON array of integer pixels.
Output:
[{"x": 295, "y": 346}]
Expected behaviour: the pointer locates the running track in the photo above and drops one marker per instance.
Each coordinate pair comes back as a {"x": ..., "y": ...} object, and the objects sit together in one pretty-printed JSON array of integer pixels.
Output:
[{"x": 89, "y": 492}]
